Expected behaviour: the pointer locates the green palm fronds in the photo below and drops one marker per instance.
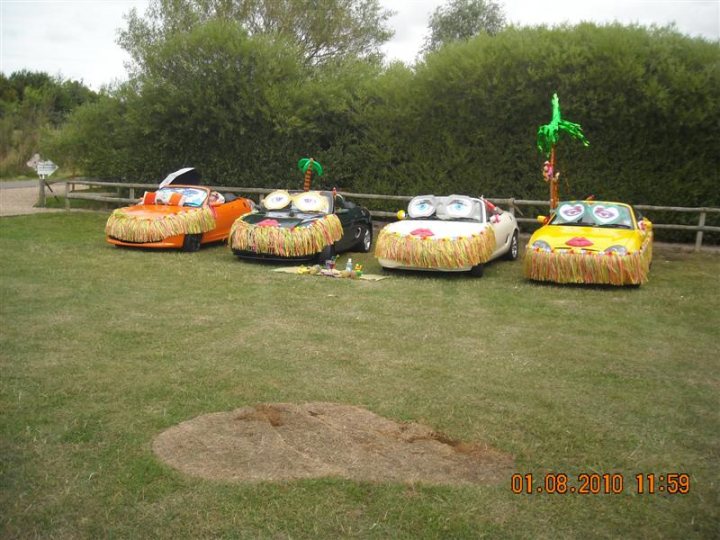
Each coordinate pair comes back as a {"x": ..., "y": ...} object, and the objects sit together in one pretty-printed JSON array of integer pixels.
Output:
[{"x": 548, "y": 135}]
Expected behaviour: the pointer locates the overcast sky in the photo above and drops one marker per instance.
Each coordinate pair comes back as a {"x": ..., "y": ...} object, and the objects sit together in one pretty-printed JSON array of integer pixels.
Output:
[{"x": 76, "y": 38}]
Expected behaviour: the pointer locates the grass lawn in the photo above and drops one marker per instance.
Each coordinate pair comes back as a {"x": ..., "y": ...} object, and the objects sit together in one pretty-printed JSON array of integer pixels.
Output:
[{"x": 102, "y": 348}]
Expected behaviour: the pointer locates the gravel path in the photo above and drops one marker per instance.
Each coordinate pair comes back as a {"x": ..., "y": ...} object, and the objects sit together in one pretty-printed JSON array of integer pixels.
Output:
[{"x": 17, "y": 198}]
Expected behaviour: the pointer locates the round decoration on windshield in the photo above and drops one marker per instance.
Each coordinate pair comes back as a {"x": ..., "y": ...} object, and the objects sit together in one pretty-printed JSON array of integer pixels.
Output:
[
  {"x": 311, "y": 201},
  {"x": 459, "y": 207},
  {"x": 276, "y": 200},
  {"x": 570, "y": 212},
  {"x": 605, "y": 215},
  {"x": 421, "y": 207}
]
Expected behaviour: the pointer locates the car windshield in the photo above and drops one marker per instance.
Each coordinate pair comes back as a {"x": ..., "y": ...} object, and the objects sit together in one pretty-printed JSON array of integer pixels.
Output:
[
  {"x": 190, "y": 196},
  {"x": 593, "y": 214},
  {"x": 305, "y": 202},
  {"x": 451, "y": 208}
]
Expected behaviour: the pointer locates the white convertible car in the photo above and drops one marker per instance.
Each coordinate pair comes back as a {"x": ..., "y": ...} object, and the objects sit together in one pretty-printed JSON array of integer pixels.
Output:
[{"x": 448, "y": 234}]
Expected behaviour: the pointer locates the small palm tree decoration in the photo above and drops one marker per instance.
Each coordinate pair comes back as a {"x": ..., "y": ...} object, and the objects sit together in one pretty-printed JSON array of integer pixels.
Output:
[
  {"x": 548, "y": 137},
  {"x": 308, "y": 166}
]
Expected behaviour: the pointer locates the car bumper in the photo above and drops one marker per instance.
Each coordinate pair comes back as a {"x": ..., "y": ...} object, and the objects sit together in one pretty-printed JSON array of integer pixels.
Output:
[
  {"x": 254, "y": 256},
  {"x": 171, "y": 242},
  {"x": 394, "y": 265},
  {"x": 588, "y": 267}
]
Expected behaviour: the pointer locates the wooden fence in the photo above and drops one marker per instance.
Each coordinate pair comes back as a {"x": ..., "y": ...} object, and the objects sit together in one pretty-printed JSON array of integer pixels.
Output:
[{"x": 71, "y": 192}]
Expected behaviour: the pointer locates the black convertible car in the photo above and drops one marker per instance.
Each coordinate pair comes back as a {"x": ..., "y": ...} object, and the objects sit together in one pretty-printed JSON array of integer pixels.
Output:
[{"x": 303, "y": 226}]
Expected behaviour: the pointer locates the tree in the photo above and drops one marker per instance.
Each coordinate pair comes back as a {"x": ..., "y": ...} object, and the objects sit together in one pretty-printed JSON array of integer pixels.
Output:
[
  {"x": 308, "y": 166},
  {"x": 462, "y": 20},
  {"x": 323, "y": 29},
  {"x": 548, "y": 136}
]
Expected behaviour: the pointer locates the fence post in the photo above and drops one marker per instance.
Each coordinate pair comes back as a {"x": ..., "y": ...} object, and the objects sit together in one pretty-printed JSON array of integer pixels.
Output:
[
  {"x": 132, "y": 192},
  {"x": 41, "y": 192},
  {"x": 699, "y": 235},
  {"x": 67, "y": 199}
]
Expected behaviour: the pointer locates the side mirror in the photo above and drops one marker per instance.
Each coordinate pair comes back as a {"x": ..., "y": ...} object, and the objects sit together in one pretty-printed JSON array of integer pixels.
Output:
[
  {"x": 541, "y": 220},
  {"x": 401, "y": 215}
]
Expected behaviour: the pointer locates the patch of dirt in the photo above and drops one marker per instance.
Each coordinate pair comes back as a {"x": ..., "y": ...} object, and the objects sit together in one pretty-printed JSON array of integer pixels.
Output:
[{"x": 283, "y": 441}]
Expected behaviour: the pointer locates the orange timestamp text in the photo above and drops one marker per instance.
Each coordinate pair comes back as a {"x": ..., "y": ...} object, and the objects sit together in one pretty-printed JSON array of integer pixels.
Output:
[{"x": 600, "y": 484}]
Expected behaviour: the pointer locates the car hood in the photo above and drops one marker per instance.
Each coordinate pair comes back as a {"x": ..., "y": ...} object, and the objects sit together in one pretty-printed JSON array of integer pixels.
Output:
[
  {"x": 155, "y": 211},
  {"x": 435, "y": 228},
  {"x": 587, "y": 238},
  {"x": 285, "y": 221}
]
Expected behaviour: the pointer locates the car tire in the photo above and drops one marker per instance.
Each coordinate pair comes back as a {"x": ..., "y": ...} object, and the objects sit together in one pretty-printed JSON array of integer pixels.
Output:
[
  {"x": 512, "y": 253},
  {"x": 327, "y": 253},
  {"x": 191, "y": 242},
  {"x": 478, "y": 270},
  {"x": 366, "y": 237}
]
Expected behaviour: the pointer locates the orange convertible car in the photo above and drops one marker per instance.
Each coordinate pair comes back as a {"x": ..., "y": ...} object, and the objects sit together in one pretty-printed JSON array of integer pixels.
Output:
[{"x": 177, "y": 215}]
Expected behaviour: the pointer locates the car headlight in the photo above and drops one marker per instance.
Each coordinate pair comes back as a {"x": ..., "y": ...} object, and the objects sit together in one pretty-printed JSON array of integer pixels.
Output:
[
  {"x": 617, "y": 250},
  {"x": 541, "y": 245}
]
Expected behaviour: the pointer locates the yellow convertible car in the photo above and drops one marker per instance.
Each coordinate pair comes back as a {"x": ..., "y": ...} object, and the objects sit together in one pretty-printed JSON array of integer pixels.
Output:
[{"x": 591, "y": 242}]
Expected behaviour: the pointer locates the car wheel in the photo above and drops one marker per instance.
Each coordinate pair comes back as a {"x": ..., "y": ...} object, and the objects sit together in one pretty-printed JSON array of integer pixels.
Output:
[
  {"x": 512, "y": 253},
  {"x": 325, "y": 254},
  {"x": 365, "y": 239},
  {"x": 191, "y": 242},
  {"x": 477, "y": 270}
]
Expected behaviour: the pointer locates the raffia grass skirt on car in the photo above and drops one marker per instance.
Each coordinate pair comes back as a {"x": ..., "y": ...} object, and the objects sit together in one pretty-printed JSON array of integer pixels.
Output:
[
  {"x": 131, "y": 228},
  {"x": 286, "y": 242},
  {"x": 418, "y": 252},
  {"x": 589, "y": 267}
]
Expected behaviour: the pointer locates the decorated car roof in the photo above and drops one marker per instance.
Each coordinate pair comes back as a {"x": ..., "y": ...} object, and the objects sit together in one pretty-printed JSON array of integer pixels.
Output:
[
  {"x": 451, "y": 207},
  {"x": 593, "y": 213}
]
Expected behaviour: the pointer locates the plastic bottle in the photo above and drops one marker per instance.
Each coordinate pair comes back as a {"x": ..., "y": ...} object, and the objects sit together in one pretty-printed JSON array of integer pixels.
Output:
[{"x": 349, "y": 265}]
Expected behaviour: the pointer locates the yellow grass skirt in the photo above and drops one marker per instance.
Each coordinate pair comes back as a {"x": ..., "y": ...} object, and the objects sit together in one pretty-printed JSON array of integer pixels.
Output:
[
  {"x": 418, "y": 252},
  {"x": 589, "y": 267},
  {"x": 132, "y": 228},
  {"x": 286, "y": 242}
]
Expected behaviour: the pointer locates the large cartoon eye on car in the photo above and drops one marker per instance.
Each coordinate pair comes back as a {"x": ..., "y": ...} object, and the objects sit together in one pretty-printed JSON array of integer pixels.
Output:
[
  {"x": 311, "y": 201},
  {"x": 420, "y": 207},
  {"x": 612, "y": 215},
  {"x": 277, "y": 200},
  {"x": 459, "y": 207},
  {"x": 570, "y": 212}
]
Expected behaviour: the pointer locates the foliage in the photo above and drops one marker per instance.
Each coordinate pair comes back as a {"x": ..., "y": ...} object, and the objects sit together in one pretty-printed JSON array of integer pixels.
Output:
[
  {"x": 323, "y": 30},
  {"x": 462, "y": 20},
  {"x": 243, "y": 108},
  {"x": 32, "y": 103},
  {"x": 649, "y": 100}
]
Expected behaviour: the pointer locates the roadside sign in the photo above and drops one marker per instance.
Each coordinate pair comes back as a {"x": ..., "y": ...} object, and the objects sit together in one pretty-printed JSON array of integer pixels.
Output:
[
  {"x": 46, "y": 168},
  {"x": 33, "y": 163}
]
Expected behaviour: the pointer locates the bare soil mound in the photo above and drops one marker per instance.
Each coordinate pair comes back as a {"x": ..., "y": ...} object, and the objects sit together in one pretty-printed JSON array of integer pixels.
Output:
[{"x": 283, "y": 441}]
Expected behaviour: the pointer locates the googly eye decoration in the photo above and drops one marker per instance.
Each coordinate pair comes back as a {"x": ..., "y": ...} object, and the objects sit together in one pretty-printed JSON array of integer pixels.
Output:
[
  {"x": 277, "y": 200},
  {"x": 459, "y": 207},
  {"x": 605, "y": 215},
  {"x": 570, "y": 212},
  {"x": 311, "y": 201},
  {"x": 421, "y": 207}
]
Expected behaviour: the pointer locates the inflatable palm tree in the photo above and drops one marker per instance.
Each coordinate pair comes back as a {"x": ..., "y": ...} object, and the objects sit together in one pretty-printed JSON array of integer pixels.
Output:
[
  {"x": 548, "y": 137},
  {"x": 308, "y": 166}
]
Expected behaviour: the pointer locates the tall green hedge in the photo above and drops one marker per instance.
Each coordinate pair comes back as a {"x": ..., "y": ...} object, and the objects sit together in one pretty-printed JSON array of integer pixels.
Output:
[{"x": 243, "y": 110}]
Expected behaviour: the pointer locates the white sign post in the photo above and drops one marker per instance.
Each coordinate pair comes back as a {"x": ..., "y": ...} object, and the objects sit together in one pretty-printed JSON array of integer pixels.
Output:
[{"x": 46, "y": 168}]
